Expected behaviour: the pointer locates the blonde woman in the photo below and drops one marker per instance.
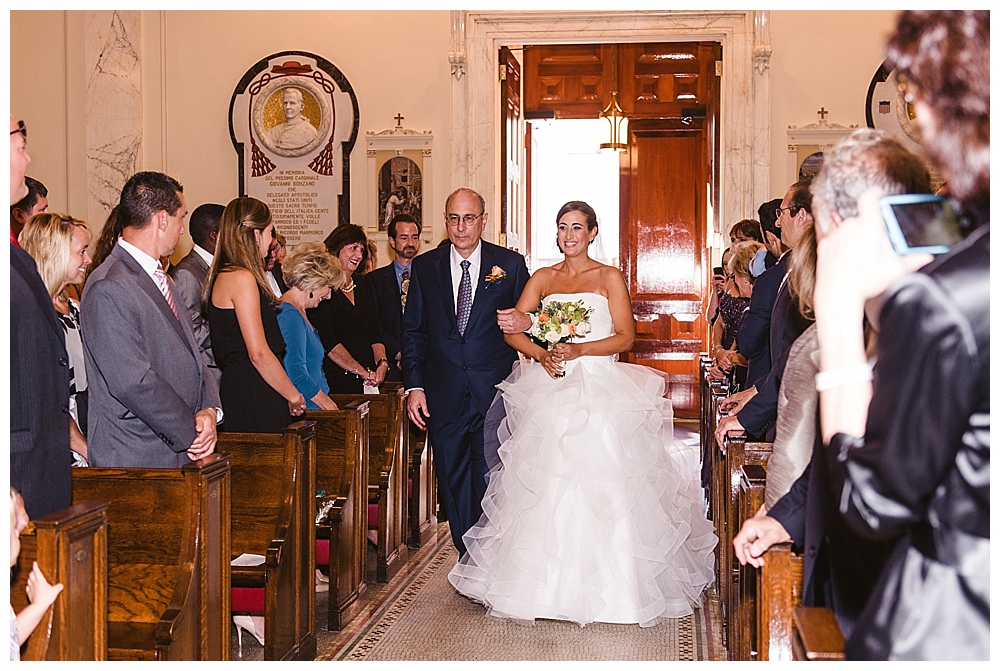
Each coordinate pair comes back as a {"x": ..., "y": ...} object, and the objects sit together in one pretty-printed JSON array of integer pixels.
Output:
[
  {"x": 311, "y": 274},
  {"x": 59, "y": 245},
  {"x": 256, "y": 394}
]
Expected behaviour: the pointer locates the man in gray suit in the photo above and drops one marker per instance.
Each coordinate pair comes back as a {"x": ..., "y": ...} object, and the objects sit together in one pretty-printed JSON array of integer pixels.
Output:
[
  {"x": 190, "y": 273},
  {"x": 153, "y": 401}
]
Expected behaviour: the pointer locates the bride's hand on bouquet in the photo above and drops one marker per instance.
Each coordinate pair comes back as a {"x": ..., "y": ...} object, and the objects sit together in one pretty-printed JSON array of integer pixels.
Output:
[
  {"x": 565, "y": 351},
  {"x": 551, "y": 364}
]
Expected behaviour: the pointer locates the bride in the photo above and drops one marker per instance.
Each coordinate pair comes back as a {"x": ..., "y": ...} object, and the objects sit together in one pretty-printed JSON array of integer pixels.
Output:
[{"x": 593, "y": 513}]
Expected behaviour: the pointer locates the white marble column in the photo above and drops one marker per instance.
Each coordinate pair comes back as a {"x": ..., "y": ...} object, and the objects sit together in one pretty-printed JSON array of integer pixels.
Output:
[{"x": 113, "y": 54}]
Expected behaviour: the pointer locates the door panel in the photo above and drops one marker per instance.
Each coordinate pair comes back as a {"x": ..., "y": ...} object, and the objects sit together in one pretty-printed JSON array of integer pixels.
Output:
[{"x": 511, "y": 141}]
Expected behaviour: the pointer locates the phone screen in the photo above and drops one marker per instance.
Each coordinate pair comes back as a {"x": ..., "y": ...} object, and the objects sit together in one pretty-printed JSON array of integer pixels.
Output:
[{"x": 921, "y": 223}]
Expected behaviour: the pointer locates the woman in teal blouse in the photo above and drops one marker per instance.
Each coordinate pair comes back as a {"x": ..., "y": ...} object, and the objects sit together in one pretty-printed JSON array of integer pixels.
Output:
[{"x": 310, "y": 272}]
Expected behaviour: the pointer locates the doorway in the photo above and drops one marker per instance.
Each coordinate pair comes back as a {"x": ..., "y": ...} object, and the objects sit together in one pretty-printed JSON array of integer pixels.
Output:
[{"x": 666, "y": 180}]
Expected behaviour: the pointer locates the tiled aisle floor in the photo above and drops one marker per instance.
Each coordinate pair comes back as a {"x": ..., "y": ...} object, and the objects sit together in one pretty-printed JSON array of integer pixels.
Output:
[{"x": 419, "y": 616}]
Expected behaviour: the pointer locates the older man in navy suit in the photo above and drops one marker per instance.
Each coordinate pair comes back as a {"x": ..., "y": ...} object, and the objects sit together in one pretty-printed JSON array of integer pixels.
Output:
[{"x": 453, "y": 352}]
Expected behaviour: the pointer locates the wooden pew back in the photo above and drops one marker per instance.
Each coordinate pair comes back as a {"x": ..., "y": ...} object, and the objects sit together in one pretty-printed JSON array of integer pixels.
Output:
[
  {"x": 274, "y": 485},
  {"x": 71, "y": 548},
  {"x": 342, "y": 473},
  {"x": 168, "y": 558},
  {"x": 743, "y": 633},
  {"x": 388, "y": 446}
]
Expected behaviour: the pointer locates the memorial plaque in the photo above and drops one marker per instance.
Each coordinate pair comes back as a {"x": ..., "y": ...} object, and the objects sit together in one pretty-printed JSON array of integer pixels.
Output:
[{"x": 293, "y": 120}]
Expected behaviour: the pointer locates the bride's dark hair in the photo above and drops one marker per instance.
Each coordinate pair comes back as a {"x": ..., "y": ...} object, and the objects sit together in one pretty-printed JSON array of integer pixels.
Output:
[{"x": 578, "y": 206}]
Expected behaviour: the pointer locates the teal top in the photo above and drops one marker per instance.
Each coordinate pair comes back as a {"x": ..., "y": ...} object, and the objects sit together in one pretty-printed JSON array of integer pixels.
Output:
[{"x": 303, "y": 354}]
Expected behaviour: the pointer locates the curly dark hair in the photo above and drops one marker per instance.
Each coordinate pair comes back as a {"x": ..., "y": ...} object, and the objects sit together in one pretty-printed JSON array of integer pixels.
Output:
[{"x": 945, "y": 57}]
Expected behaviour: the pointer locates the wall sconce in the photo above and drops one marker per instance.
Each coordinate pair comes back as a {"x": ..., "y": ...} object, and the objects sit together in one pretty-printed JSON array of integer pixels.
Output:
[{"x": 613, "y": 112}]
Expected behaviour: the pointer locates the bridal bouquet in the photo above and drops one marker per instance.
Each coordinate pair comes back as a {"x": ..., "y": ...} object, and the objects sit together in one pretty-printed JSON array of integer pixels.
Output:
[{"x": 558, "y": 322}]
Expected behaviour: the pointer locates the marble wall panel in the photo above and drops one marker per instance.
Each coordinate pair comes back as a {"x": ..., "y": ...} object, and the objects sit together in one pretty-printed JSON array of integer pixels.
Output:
[{"x": 113, "y": 55}]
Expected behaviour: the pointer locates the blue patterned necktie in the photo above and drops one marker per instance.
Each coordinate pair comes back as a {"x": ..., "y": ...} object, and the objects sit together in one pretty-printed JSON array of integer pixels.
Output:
[{"x": 464, "y": 298}]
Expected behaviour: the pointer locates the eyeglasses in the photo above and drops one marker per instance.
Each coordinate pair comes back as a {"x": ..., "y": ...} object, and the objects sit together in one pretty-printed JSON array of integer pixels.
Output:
[
  {"x": 468, "y": 219},
  {"x": 777, "y": 212},
  {"x": 22, "y": 129}
]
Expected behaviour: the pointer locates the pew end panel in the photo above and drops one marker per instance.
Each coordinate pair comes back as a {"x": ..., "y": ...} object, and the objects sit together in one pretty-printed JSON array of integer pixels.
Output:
[
  {"x": 422, "y": 511},
  {"x": 342, "y": 472},
  {"x": 70, "y": 547},
  {"x": 779, "y": 593},
  {"x": 273, "y": 493},
  {"x": 388, "y": 441},
  {"x": 744, "y": 630},
  {"x": 167, "y": 558}
]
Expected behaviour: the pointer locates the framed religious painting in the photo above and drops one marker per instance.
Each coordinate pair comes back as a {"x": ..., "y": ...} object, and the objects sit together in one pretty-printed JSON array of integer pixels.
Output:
[
  {"x": 399, "y": 178},
  {"x": 806, "y": 145}
]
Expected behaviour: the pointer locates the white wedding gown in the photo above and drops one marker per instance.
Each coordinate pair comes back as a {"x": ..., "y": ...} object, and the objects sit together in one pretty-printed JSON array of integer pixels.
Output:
[{"x": 594, "y": 514}]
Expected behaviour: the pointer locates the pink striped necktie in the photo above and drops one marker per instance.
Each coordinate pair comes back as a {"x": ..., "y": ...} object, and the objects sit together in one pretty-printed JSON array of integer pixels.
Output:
[{"x": 163, "y": 282}]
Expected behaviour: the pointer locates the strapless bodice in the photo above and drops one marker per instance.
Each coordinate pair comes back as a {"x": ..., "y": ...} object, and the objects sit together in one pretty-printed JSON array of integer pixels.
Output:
[{"x": 601, "y": 325}]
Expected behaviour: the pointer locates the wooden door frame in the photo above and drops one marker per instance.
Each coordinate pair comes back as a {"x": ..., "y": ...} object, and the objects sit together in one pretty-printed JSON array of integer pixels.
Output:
[{"x": 745, "y": 104}]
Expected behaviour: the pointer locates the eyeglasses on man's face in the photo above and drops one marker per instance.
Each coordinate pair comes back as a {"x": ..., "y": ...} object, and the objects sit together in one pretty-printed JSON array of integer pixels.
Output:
[
  {"x": 22, "y": 129},
  {"x": 468, "y": 219},
  {"x": 777, "y": 212}
]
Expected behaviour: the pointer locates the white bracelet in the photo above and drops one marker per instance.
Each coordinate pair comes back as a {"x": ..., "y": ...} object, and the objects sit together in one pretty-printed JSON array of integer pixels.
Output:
[{"x": 828, "y": 379}]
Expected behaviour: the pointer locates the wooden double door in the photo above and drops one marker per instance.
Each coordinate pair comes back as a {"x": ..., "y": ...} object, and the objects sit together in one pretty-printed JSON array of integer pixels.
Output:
[{"x": 668, "y": 178}]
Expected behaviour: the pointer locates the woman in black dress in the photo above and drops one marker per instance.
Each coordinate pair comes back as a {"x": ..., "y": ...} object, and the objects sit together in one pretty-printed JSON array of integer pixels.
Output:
[
  {"x": 355, "y": 355},
  {"x": 256, "y": 394}
]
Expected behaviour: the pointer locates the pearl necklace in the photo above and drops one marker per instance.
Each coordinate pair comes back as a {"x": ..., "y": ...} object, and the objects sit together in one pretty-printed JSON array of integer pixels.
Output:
[{"x": 349, "y": 289}]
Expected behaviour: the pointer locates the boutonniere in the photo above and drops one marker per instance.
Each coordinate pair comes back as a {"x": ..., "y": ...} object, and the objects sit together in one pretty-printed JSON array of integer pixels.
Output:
[{"x": 496, "y": 275}]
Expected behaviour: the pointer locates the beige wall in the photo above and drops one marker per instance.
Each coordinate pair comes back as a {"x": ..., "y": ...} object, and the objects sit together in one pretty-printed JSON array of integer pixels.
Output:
[
  {"x": 820, "y": 59},
  {"x": 395, "y": 60}
]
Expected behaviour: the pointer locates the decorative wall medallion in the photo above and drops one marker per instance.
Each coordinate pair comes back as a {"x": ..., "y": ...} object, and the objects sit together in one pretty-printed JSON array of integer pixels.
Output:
[
  {"x": 293, "y": 120},
  {"x": 887, "y": 110}
]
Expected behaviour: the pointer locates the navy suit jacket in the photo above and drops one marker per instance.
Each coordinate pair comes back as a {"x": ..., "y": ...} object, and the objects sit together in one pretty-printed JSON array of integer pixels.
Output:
[
  {"x": 389, "y": 313},
  {"x": 435, "y": 356},
  {"x": 787, "y": 324},
  {"x": 840, "y": 567},
  {"x": 39, "y": 393},
  {"x": 753, "y": 337}
]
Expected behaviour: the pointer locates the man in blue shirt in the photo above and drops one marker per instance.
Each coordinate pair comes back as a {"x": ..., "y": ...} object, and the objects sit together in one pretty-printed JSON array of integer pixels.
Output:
[{"x": 390, "y": 284}]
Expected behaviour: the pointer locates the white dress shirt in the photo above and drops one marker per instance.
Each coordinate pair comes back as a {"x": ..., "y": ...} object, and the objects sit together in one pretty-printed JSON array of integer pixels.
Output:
[
  {"x": 151, "y": 265},
  {"x": 475, "y": 264},
  {"x": 205, "y": 255}
]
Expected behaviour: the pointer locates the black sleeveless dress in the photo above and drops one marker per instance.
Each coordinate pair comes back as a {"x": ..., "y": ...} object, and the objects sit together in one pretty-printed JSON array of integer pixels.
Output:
[{"x": 248, "y": 402}]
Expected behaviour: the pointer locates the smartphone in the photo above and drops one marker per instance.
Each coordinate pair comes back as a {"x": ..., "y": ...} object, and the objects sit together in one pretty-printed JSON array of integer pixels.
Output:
[{"x": 921, "y": 223}]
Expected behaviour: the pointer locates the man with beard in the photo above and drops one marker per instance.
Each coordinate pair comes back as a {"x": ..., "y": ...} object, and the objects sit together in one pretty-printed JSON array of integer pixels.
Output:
[{"x": 390, "y": 284}]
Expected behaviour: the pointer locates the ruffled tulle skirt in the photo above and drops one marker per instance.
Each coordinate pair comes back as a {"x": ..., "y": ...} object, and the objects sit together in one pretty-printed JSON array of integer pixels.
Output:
[{"x": 594, "y": 514}]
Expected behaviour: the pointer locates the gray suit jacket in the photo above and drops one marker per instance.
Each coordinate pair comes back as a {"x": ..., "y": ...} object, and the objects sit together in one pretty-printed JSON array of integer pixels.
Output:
[
  {"x": 147, "y": 378},
  {"x": 189, "y": 277}
]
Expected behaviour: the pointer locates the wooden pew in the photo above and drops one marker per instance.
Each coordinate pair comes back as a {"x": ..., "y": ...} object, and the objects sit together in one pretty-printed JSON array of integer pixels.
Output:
[
  {"x": 817, "y": 635},
  {"x": 168, "y": 558},
  {"x": 743, "y": 630},
  {"x": 718, "y": 484},
  {"x": 342, "y": 521},
  {"x": 779, "y": 592},
  {"x": 738, "y": 453},
  {"x": 71, "y": 547},
  {"x": 421, "y": 524},
  {"x": 272, "y": 513},
  {"x": 388, "y": 449}
]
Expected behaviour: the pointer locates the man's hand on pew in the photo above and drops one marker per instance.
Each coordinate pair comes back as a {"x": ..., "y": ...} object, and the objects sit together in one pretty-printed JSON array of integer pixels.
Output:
[
  {"x": 204, "y": 444},
  {"x": 756, "y": 537},
  {"x": 735, "y": 402},
  {"x": 416, "y": 407},
  {"x": 716, "y": 373},
  {"x": 727, "y": 426}
]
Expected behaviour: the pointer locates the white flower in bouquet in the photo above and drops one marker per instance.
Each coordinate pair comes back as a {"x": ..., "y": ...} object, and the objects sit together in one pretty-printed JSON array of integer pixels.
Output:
[
  {"x": 583, "y": 328},
  {"x": 553, "y": 337},
  {"x": 564, "y": 331}
]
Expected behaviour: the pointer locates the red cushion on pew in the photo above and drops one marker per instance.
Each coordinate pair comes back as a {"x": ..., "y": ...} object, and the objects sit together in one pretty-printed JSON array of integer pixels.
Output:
[
  {"x": 322, "y": 551},
  {"x": 373, "y": 516},
  {"x": 247, "y": 600}
]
